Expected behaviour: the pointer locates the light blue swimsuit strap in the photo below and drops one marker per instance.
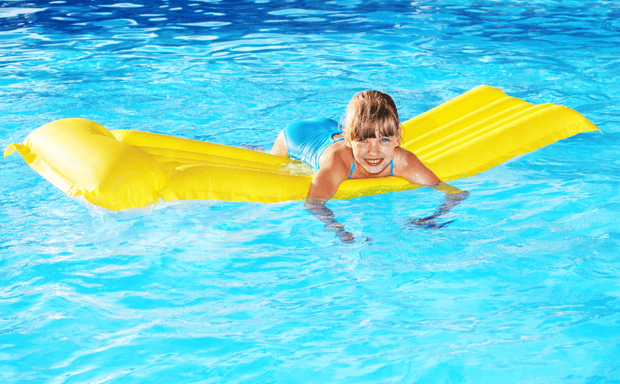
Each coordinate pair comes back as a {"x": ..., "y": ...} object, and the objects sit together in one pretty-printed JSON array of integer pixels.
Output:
[{"x": 353, "y": 167}]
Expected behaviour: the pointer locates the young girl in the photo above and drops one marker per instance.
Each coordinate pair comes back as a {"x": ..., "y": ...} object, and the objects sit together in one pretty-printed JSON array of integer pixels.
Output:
[{"x": 368, "y": 148}]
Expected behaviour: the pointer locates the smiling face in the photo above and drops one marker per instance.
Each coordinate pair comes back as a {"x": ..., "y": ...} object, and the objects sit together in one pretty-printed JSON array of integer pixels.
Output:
[
  {"x": 372, "y": 130},
  {"x": 374, "y": 154}
]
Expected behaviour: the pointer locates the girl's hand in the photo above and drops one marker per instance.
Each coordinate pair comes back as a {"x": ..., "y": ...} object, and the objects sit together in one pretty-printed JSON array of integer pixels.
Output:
[
  {"x": 429, "y": 222},
  {"x": 345, "y": 236},
  {"x": 453, "y": 198}
]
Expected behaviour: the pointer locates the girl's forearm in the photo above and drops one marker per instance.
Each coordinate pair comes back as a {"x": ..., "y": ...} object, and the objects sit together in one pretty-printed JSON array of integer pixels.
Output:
[
  {"x": 452, "y": 200},
  {"x": 319, "y": 210}
]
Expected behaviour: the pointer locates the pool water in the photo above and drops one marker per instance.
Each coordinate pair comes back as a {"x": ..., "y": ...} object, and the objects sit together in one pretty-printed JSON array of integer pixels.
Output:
[{"x": 522, "y": 287}]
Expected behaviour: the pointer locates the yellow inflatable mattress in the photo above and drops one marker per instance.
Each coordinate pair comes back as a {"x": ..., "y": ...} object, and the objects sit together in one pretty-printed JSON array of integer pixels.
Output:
[{"x": 129, "y": 169}]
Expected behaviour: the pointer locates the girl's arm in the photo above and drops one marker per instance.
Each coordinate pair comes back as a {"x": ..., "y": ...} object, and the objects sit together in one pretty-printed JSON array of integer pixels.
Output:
[
  {"x": 318, "y": 208},
  {"x": 412, "y": 169},
  {"x": 453, "y": 197},
  {"x": 323, "y": 188}
]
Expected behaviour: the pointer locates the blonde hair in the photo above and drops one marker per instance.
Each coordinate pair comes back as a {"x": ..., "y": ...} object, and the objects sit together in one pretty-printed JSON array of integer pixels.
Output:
[{"x": 370, "y": 112}]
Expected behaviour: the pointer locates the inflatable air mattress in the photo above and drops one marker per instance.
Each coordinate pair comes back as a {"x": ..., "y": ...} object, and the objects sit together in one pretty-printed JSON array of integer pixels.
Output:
[{"x": 125, "y": 169}]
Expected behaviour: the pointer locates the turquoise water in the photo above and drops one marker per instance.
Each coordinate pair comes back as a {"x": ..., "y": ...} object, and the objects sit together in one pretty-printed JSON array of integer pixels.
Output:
[{"x": 523, "y": 286}]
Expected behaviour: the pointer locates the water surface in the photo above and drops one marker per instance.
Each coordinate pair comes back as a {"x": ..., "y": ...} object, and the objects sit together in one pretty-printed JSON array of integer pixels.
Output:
[{"x": 521, "y": 287}]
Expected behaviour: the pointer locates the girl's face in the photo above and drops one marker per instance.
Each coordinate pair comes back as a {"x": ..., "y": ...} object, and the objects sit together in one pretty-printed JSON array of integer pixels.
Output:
[{"x": 374, "y": 154}]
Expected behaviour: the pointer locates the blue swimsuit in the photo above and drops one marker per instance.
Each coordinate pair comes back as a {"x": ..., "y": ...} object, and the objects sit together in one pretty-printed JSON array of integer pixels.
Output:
[{"x": 306, "y": 140}]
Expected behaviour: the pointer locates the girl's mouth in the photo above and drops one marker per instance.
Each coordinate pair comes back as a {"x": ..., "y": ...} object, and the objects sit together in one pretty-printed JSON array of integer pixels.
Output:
[{"x": 373, "y": 162}]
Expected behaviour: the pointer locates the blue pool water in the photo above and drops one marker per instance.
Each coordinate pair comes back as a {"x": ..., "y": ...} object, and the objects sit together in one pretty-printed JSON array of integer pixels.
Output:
[{"x": 523, "y": 286}]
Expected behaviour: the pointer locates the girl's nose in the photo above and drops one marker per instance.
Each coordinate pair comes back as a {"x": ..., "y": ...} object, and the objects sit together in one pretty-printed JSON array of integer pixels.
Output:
[{"x": 373, "y": 147}]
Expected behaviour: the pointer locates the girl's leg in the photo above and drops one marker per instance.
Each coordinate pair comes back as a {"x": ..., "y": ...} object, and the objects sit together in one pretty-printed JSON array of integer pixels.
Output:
[{"x": 279, "y": 146}]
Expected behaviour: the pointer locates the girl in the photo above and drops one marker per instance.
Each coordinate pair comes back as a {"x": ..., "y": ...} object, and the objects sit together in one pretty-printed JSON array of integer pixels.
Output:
[{"x": 368, "y": 148}]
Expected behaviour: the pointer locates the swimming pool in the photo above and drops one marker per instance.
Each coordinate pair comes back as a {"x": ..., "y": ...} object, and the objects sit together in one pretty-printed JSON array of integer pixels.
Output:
[{"x": 523, "y": 286}]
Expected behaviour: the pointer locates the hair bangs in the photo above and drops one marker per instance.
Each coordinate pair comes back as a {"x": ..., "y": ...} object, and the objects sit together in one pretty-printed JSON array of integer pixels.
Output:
[{"x": 381, "y": 126}]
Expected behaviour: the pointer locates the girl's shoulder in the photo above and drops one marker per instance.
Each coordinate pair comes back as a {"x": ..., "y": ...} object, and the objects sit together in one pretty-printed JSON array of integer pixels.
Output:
[
  {"x": 408, "y": 166},
  {"x": 336, "y": 156},
  {"x": 402, "y": 158}
]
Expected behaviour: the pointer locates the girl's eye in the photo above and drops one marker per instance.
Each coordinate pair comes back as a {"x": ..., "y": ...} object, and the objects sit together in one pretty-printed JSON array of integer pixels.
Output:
[{"x": 385, "y": 139}]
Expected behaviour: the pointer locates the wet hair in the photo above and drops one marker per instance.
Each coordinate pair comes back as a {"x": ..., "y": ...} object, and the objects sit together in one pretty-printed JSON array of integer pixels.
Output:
[{"x": 370, "y": 112}]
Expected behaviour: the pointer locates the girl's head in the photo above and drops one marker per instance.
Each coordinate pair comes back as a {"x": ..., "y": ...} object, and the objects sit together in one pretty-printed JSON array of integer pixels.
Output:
[
  {"x": 371, "y": 113},
  {"x": 372, "y": 130}
]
